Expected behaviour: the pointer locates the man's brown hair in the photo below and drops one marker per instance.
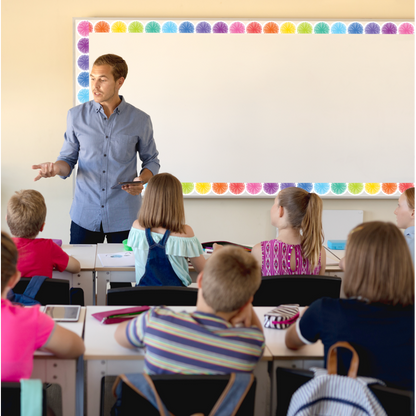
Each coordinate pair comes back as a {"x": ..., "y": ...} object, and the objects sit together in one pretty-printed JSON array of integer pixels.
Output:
[
  {"x": 8, "y": 259},
  {"x": 410, "y": 197},
  {"x": 378, "y": 266},
  {"x": 26, "y": 213},
  {"x": 163, "y": 204},
  {"x": 118, "y": 65},
  {"x": 231, "y": 276}
]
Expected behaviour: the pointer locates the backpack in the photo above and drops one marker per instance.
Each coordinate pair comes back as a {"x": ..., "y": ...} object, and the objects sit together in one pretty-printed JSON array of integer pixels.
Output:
[
  {"x": 329, "y": 394},
  {"x": 227, "y": 404},
  {"x": 27, "y": 298}
]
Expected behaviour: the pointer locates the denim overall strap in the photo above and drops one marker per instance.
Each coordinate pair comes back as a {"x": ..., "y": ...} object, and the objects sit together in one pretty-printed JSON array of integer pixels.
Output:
[{"x": 158, "y": 271}]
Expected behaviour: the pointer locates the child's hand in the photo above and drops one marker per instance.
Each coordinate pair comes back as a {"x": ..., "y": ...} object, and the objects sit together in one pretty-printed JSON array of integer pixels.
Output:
[
  {"x": 244, "y": 316},
  {"x": 217, "y": 247}
]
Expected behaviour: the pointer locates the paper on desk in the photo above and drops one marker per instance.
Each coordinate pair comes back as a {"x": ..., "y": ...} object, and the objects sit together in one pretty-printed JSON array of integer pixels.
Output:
[
  {"x": 331, "y": 260},
  {"x": 122, "y": 259}
]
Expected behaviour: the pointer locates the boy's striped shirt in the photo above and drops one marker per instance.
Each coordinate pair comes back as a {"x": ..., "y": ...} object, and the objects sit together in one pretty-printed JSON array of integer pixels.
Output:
[{"x": 194, "y": 343}]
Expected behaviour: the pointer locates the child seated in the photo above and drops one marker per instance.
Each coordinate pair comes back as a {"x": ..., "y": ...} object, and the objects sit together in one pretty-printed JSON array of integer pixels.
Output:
[
  {"x": 160, "y": 240},
  {"x": 377, "y": 318},
  {"x": 298, "y": 248},
  {"x": 405, "y": 216},
  {"x": 26, "y": 213},
  {"x": 26, "y": 329},
  {"x": 223, "y": 335}
]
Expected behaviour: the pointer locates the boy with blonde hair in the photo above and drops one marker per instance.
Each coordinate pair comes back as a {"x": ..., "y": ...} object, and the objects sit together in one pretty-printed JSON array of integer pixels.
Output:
[
  {"x": 26, "y": 213},
  {"x": 223, "y": 335}
]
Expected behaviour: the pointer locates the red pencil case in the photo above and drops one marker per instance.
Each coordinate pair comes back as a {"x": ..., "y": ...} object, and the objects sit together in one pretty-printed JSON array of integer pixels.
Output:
[
  {"x": 119, "y": 315},
  {"x": 281, "y": 317}
]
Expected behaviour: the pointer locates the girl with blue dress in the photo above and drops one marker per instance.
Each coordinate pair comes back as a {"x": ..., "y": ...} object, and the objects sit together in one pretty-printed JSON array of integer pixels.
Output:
[{"x": 160, "y": 239}]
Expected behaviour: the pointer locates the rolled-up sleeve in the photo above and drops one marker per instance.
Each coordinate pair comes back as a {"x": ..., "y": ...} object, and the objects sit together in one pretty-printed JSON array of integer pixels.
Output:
[
  {"x": 146, "y": 147},
  {"x": 70, "y": 148}
]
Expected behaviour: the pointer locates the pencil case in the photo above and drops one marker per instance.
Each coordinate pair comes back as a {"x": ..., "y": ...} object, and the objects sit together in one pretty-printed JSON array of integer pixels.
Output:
[
  {"x": 281, "y": 317},
  {"x": 119, "y": 315}
]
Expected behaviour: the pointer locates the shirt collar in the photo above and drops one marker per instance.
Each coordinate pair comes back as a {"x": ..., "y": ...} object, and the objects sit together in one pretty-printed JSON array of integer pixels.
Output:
[
  {"x": 410, "y": 230},
  {"x": 118, "y": 109}
]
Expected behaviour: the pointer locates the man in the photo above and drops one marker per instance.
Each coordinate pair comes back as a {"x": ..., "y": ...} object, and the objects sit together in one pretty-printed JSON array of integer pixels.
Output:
[{"x": 103, "y": 136}]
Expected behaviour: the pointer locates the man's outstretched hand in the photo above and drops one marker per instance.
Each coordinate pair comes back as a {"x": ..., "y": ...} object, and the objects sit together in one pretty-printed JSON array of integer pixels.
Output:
[{"x": 47, "y": 170}]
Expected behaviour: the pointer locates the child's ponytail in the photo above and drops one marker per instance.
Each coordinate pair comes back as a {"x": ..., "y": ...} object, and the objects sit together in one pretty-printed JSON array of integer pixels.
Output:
[{"x": 312, "y": 234}]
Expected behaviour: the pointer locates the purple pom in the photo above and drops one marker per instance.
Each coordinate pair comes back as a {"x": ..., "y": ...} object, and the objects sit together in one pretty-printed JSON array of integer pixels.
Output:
[
  {"x": 372, "y": 29},
  {"x": 203, "y": 27},
  {"x": 270, "y": 188},
  {"x": 220, "y": 27},
  {"x": 84, "y": 45},
  {"x": 84, "y": 62},
  {"x": 287, "y": 185},
  {"x": 389, "y": 29}
]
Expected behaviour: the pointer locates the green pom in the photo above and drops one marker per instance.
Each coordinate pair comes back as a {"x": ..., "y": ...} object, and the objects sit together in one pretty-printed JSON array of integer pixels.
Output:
[
  {"x": 187, "y": 187},
  {"x": 305, "y": 28},
  {"x": 322, "y": 28},
  {"x": 338, "y": 188},
  {"x": 153, "y": 27},
  {"x": 135, "y": 27},
  {"x": 355, "y": 188}
]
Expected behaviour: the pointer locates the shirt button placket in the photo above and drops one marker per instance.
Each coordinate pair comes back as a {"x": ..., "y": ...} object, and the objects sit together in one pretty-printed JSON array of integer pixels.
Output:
[{"x": 104, "y": 184}]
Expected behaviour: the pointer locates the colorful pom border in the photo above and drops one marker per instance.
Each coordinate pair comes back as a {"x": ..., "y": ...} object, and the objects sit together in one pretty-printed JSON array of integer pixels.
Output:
[{"x": 83, "y": 27}]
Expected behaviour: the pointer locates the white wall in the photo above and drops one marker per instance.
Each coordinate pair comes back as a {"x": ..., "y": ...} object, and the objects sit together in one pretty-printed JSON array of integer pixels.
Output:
[{"x": 36, "y": 93}]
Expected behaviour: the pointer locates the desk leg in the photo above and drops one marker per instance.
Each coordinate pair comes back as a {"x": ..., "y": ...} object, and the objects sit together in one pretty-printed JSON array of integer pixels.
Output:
[
  {"x": 62, "y": 372},
  {"x": 85, "y": 280},
  {"x": 262, "y": 403},
  {"x": 97, "y": 369},
  {"x": 102, "y": 279}
]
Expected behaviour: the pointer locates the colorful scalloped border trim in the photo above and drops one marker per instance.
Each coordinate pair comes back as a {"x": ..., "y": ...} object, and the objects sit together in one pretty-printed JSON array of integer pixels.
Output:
[{"x": 272, "y": 188}]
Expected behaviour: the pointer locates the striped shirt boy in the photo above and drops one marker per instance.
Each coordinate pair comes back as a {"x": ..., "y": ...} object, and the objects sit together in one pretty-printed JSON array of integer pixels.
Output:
[{"x": 194, "y": 343}]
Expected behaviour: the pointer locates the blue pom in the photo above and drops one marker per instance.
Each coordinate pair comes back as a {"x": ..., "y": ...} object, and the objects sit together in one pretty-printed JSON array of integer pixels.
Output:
[
  {"x": 322, "y": 188},
  {"x": 306, "y": 186},
  {"x": 84, "y": 79},
  {"x": 338, "y": 28},
  {"x": 355, "y": 29},
  {"x": 186, "y": 27},
  {"x": 203, "y": 27},
  {"x": 83, "y": 95},
  {"x": 169, "y": 27}
]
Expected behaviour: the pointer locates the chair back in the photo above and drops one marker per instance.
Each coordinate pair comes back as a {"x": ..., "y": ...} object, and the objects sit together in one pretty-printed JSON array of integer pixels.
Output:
[
  {"x": 153, "y": 296},
  {"x": 52, "y": 292},
  {"x": 10, "y": 399},
  {"x": 288, "y": 380},
  {"x": 301, "y": 289},
  {"x": 198, "y": 394}
]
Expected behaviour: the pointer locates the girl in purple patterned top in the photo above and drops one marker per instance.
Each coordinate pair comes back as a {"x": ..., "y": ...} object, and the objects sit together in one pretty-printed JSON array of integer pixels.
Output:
[{"x": 297, "y": 214}]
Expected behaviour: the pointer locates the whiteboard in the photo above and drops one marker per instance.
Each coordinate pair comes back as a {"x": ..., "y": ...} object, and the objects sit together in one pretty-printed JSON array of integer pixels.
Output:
[
  {"x": 273, "y": 108},
  {"x": 337, "y": 224}
]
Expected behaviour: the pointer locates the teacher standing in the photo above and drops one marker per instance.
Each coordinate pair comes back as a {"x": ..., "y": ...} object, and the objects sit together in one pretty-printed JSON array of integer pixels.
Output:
[{"x": 104, "y": 136}]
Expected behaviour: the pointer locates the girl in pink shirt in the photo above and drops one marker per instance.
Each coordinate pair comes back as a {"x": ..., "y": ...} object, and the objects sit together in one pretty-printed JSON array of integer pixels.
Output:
[
  {"x": 297, "y": 214},
  {"x": 26, "y": 329}
]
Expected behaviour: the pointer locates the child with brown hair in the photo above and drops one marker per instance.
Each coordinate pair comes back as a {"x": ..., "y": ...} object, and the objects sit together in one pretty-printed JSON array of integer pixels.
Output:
[
  {"x": 405, "y": 216},
  {"x": 377, "y": 318},
  {"x": 160, "y": 239},
  {"x": 26, "y": 329},
  {"x": 297, "y": 214},
  {"x": 26, "y": 213},
  {"x": 206, "y": 341}
]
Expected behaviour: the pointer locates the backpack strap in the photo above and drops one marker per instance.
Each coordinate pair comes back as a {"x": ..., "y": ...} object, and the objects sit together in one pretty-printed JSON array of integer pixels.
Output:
[
  {"x": 332, "y": 359},
  {"x": 142, "y": 384},
  {"x": 233, "y": 395},
  {"x": 34, "y": 285},
  {"x": 31, "y": 397}
]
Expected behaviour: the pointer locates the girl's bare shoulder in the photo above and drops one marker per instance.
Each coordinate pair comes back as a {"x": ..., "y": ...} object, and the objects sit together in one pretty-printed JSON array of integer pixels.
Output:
[
  {"x": 188, "y": 232},
  {"x": 137, "y": 225}
]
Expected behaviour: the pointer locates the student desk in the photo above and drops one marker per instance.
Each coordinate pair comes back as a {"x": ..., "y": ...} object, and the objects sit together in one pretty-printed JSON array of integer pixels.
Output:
[
  {"x": 104, "y": 357},
  {"x": 68, "y": 373},
  {"x": 85, "y": 279},
  {"x": 304, "y": 358}
]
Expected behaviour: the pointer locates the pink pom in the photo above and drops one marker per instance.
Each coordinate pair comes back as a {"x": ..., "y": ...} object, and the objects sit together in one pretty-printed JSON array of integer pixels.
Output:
[
  {"x": 84, "y": 28},
  {"x": 237, "y": 27},
  {"x": 406, "y": 29}
]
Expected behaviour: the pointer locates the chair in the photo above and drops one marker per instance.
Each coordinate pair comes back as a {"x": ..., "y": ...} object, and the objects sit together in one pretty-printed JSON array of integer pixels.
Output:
[
  {"x": 153, "y": 296},
  {"x": 10, "y": 399},
  {"x": 301, "y": 289},
  {"x": 52, "y": 291},
  {"x": 288, "y": 380},
  {"x": 183, "y": 395}
]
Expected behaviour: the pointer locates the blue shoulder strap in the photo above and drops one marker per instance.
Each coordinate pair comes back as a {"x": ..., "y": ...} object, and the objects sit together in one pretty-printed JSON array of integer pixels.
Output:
[
  {"x": 34, "y": 285},
  {"x": 31, "y": 397}
]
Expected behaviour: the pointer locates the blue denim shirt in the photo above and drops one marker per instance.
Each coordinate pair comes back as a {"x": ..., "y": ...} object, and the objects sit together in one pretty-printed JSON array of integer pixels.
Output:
[
  {"x": 409, "y": 234},
  {"x": 106, "y": 151}
]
